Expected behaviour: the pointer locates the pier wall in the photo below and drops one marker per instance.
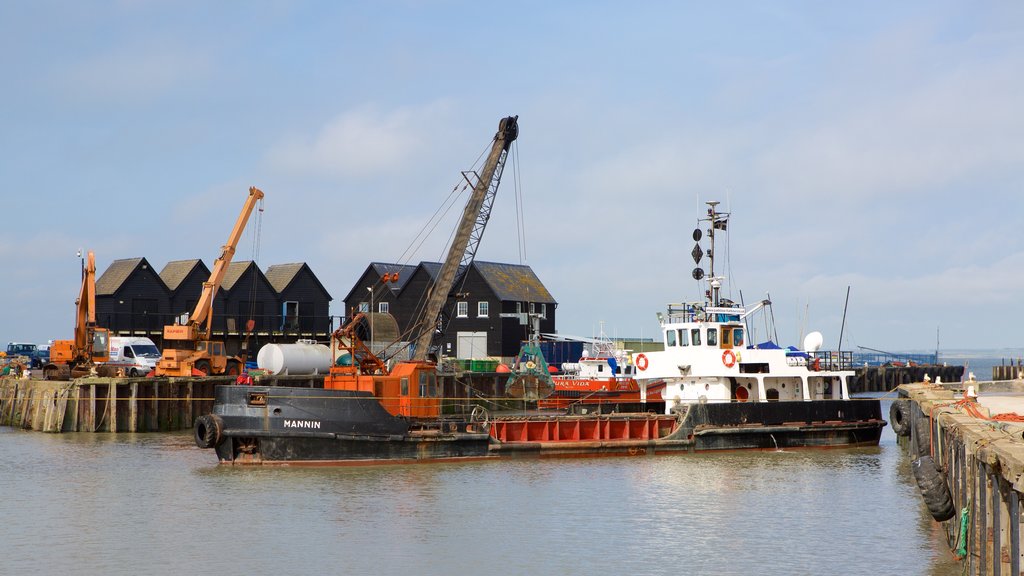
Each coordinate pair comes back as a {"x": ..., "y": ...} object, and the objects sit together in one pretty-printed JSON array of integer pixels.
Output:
[
  {"x": 982, "y": 463},
  {"x": 170, "y": 404},
  {"x": 1008, "y": 372},
  {"x": 116, "y": 404},
  {"x": 886, "y": 378}
]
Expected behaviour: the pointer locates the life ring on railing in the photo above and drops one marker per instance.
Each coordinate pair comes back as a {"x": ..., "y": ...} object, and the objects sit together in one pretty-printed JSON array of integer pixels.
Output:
[
  {"x": 728, "y": 358},
  {"x": 641, "y": 362}
]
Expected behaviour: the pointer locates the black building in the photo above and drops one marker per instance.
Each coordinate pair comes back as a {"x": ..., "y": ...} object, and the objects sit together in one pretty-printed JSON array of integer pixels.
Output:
[
  {"x": 472, "y": 320},
  {"x": 285, "y": 304},
  {"x": 131, "y": 296}
]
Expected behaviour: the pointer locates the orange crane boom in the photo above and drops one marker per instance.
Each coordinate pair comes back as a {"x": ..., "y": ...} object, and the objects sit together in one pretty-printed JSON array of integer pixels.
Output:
[{"x": 201, "y": 354}]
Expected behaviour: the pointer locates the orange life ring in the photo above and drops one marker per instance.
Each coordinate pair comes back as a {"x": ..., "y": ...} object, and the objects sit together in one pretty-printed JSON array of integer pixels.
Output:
[
  {"x": 641, "y": 362},
  {"x": 728, "y": 358}
]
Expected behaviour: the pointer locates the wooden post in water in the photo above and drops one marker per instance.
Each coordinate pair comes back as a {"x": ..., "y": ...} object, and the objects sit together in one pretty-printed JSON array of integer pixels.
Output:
[
  {"x": 133, "y": 408},
  {"x": 92, "y": 408},
  {"x": 78, "y": 407},
  {"x": 112, "y": 404},
  {"x": 187, "y": 408},
  {"x": 152, "y": 416}
]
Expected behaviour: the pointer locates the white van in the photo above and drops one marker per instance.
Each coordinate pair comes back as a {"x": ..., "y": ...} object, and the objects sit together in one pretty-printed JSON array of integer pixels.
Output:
[{"x": 136, "y": 355}]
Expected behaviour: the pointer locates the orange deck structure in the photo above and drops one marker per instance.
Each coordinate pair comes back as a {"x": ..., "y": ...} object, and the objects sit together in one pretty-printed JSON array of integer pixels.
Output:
[{"x": 610, "y": 428}]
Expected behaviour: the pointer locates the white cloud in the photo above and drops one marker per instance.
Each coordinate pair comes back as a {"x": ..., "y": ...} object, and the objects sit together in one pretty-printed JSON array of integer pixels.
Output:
[
  {"x": 363, "y": 142},
  {"x": 134, "y": 71}
]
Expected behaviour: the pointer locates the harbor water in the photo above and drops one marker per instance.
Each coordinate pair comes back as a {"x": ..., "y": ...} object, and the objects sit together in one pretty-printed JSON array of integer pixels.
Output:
[{"x": 155, "y": 504}]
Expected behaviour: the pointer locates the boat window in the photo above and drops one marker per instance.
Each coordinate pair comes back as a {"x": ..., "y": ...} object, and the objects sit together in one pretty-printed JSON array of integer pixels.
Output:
[
  {"x": 737, "y": 336},
  {"x": 712, "y": 337},
  {"x": 683, "y": 340},
  {"x": 670, "y": 338},
  {"x": 695, "y": 336},
  {"x": 405, "y": 387},
  {"x": 424, "y": 392},
  {"x": 600, "y": 367}
]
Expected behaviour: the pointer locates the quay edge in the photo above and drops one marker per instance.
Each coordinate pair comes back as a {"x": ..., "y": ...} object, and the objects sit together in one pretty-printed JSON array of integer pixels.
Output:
[{"x": 980, "y": 462}]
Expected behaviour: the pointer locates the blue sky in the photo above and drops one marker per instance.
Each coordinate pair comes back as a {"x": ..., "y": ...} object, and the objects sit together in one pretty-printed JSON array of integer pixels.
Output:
[{"x": 874, "y": 145}]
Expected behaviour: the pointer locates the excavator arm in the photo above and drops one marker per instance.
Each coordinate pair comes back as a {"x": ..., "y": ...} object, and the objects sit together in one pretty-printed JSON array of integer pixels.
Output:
[{"x": 86, "y": 304}]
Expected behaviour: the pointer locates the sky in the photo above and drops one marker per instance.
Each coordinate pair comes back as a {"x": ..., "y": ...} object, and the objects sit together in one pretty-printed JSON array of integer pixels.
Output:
[{"x": 870, "y": 146}]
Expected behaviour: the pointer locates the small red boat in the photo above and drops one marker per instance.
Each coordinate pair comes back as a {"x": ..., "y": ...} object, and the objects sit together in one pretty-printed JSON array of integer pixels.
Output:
[{"x": 602, "y": 376}]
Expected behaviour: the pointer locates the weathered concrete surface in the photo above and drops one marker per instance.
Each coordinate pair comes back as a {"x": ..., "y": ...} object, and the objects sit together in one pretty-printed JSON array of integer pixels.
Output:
[{"x": 982, "y": 461}]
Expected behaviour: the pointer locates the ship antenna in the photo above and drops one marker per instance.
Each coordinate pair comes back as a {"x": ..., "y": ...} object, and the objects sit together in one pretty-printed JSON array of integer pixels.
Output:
[{"x": 712, "y": 281}]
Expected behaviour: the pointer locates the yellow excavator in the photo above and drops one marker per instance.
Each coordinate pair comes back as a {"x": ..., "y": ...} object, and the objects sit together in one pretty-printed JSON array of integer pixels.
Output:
[
  {"x": 188, "y": 350},
  {"x": 91, "y": 344}
]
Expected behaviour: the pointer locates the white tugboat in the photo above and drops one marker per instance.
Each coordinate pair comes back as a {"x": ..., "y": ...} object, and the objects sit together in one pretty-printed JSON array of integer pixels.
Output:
[{"x": 708, "y": 360}]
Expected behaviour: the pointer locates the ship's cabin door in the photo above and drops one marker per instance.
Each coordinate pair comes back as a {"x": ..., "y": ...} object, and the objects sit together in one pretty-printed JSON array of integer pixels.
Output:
[
  {"x": 418, "y": 395},
  {"x": 732, "y": 337}
]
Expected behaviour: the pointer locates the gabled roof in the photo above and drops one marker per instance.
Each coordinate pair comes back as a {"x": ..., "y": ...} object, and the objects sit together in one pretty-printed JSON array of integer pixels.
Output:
[
  {"x": 115, "y": 275},
  {"x": 174, "y": 273},
  {"x": 404, "y": 271},
  {"x": 513, "y": 282},
  {"x": 234, "y": 272},
  {"x": 281, "y": 276}
]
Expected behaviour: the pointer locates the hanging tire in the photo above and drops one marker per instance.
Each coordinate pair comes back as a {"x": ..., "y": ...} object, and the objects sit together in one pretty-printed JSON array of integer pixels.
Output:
[
  {"x": 934, "y": 489},
  {"x": 899, "y": 417},
  {"x": 922, "y": 428},
  {"x": 208, "y": 431}
]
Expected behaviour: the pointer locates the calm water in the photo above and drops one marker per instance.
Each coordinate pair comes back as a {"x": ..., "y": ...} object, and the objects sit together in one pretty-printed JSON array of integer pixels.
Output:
[{"x": 155, "y": 504}]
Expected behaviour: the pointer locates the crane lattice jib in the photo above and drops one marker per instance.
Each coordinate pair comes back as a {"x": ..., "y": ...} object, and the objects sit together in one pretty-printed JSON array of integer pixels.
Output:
[
  {"x": 471, "y": 228},
  {"x": 201, "y": 319},
  {"x": 484, "y": 215}
]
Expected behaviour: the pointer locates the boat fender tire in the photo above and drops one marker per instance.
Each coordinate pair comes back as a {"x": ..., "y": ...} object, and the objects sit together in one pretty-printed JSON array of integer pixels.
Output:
[
  {"x": 208, "y": 431},
  {"x": 899, "y": 417},
  {"x": 934, "y": 490},
  {"x": 922, "y": 434}
]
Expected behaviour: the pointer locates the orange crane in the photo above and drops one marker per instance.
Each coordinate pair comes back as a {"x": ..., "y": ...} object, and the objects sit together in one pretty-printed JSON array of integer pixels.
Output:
[
  {"x": 191, "y": 351},
  {"x": 410, "y": 388},
  {"x": 91, "y": 344}
]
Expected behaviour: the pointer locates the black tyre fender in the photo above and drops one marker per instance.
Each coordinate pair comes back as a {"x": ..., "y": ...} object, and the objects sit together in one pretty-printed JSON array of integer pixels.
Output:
[
  {"x": 921, "y": 433},
  {"x": 899, "y": 417},
  {"x": 934, "y": 490},
  {"x": 209, "y": 431}
]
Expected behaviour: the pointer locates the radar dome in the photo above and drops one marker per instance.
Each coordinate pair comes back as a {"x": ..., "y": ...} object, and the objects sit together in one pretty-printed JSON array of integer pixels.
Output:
[{"x": 813, "y": 341}]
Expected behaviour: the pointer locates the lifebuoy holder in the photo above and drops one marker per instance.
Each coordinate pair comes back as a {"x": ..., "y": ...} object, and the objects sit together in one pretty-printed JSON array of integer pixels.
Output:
[
  {"x": 641, "y": 362},
  {"x": 728, "y": 358}
]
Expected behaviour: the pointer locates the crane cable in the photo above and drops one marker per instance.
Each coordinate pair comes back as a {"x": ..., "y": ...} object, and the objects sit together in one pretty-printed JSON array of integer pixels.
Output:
[{"x": 255, "y": 250}]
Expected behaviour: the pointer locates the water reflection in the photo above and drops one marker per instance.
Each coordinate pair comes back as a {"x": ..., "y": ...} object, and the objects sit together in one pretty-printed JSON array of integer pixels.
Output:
[{"x": 128, "y": 503}]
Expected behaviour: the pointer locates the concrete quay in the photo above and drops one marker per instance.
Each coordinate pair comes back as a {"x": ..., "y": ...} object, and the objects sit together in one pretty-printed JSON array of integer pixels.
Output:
[
  {"x": 969, "y": 464},
  {"x": 116, "y": 404}
]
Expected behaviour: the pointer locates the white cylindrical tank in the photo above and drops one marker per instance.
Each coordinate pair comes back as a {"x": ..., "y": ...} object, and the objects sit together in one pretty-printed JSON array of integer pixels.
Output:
[{"x": 298, "y": 358}]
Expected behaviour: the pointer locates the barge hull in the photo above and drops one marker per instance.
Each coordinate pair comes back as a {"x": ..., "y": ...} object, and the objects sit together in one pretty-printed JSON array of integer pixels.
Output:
[{"x": 267, "y": 424}]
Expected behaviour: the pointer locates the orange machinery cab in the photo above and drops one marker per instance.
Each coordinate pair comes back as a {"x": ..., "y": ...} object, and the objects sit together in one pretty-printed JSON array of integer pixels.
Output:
[
  {"x": 207, "y": 356},
  {"x": 410, "y": 389},
  {"x": 63, "y": 351}
]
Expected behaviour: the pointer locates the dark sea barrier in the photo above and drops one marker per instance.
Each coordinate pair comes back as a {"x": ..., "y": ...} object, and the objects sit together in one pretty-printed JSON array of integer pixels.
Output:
[{"x": 886, "y": 378}]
